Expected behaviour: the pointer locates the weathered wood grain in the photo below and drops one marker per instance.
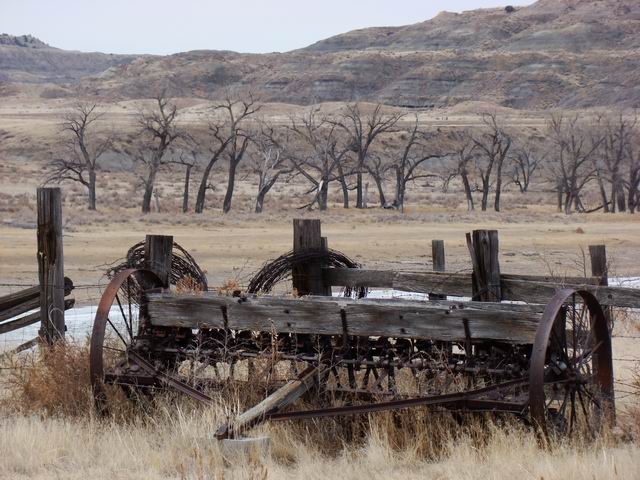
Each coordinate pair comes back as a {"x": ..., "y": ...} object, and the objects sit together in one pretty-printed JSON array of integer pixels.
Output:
[
  {"x": 50, "y": 263},
  {"x": 323, "y": 315},
  {"x": 285, "y": 395},
  {"x": 523, "y": 288},
  {"x": 30, "y": 319}
]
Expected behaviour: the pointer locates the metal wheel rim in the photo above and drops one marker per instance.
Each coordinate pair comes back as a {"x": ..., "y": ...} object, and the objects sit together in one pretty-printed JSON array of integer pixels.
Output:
[
  {"x": 603, "y": 361},
  {"x": 96, "y": 351}
]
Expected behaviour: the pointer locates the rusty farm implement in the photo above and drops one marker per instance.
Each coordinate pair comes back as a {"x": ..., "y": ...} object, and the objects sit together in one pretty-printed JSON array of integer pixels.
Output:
[{"x": 527, "y": 346}]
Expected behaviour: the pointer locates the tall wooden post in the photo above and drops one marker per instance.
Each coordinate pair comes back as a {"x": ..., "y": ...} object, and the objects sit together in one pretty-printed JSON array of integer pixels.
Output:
[
  {"x": 599, "y": 268},
  {"x": 437, "y": 256},
  {"x": 325, "y": 248},
  {"x": 50, "y": 264},
  {"x": 484, "y": 250},
  {"x": 159, "y": 254},
  {"x": 307, "y": 276}
]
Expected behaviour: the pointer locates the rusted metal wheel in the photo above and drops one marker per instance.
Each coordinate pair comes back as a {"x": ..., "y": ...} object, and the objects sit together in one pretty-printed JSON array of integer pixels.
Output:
[
  {"x": 117, "y": 326},
  {"x": 571, "y": 374}
]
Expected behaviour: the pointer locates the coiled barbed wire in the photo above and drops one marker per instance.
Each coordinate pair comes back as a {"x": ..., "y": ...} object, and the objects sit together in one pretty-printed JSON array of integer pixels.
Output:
[
  {"x": 280, "y": 269},
  {"x": 183, "y": 265}
]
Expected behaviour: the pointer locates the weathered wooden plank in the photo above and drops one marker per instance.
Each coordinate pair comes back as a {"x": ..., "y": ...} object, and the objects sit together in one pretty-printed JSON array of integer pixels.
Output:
[
  {"x": 13, "y": 299},
  {"x": 441, "y": 323},
  {"x": 535, "y": 292},
  {"x": 523, "y": 288},
  {"x": 322, "y": 315},
  {"x": 442, "y": 283},
  {"x": 285, "y": 395},
  {"x": 20, "y": 309},
  {"x": 20, "y": 302},
  {"x": 30, "y": 319}
]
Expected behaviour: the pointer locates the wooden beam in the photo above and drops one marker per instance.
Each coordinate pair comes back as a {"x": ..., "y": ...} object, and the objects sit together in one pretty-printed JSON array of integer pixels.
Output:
[
  {"x": 328, "y": 316},
  {"x": 50, "y": 263},
  {"x": 523, "y": 288},
  {"x": 599, "y": 268},
  {"x": 30, "y": 319},
  {"x": 16, "y": 298},
  {"x": 285, "y": 395}
]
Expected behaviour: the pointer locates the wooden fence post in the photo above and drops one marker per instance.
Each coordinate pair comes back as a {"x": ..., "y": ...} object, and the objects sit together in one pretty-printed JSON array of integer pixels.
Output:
[
  {"x": 159, "y": 255},
  {"x": 325, "y": 248},
  {"x": 599, "y": 268},
  {"x": 437, "y": 256},
  {"x": 50, "y": 264},
  {"x": 307, "y": 276},
  {"x": 484, "y": 250}
]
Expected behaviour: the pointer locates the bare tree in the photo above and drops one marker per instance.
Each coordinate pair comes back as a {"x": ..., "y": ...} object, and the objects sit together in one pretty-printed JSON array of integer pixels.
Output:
[
  {"x": 158, "y": 132},
  {"x": 572, "y": 165},
  {"x": 633, "y": 170},
  {"x": 188, "y": 160},
  {"x": 614, "y": 154},
  {"x": 83, "y": 148},
  {"x": 462, "y": 149},
  {"x": 319, "y": 156},
  {"x": 218, "y": 143},
  {"x": 378, "y": 166},
  {"x": 416, "y": 151},
  {"x": 525, "y": 160},
  {"x": 237, "y": 113},
  {"x": 362, "y": 130},
  {"x": 493, "y": 144},
  {"x": 268, "y": 161}
]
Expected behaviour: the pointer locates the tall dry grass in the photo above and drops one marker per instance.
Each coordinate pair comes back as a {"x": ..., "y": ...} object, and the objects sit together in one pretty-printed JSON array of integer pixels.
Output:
[{"x": 48, "y": 430}]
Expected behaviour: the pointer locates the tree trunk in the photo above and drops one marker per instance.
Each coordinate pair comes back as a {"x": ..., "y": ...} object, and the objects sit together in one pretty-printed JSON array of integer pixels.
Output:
[
  {"x": 148, "y": 192},
  {"x": 365, "y": 196},
  {"x": 603, "y": 194},
  {"x": 381, "y": 197},
  {"x": 359, "y": 196},
  {"x": 202, "y": 190},
  {"x": 185, "y": 195},
  {"x": 260, "y": 200},
  {"x": 92, "y": 189},
  {"x": 345, "y": 193},
  {"x": 622, "y": 206},
  {"x": 226, "y": 206},
  {"x": 156, "y": 196},
  {"x": 323, "y": 193},
  {"x": 467, "y": 192},
  {"x": 496, "y": 202},
  {"x": 560, "y": 191},
  {"x": 485, "y": 195}
]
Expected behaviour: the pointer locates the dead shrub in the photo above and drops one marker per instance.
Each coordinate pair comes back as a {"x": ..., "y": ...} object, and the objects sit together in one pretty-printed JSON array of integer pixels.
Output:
[{"x": 54, "y": 382}]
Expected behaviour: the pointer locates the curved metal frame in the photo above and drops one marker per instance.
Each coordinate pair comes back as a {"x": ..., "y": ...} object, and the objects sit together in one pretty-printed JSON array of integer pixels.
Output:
[
  {"x": 96, "y": 361},
  {"x": 604, "y": 362}
]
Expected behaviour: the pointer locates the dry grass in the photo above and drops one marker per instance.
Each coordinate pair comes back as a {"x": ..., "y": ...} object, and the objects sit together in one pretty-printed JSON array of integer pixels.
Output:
[{"x": 49, "y": 430}]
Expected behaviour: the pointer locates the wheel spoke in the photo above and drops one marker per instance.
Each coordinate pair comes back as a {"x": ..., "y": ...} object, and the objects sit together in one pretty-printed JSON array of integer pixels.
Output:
[
  {"x": 117, "y": 332},
  {"x": 584, "y": 410},
  {"x": 128, "y": 325}
]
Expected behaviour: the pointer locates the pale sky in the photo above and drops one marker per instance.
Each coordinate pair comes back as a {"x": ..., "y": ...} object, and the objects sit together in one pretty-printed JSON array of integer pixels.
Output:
[{"x": 171, "y": 26}]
